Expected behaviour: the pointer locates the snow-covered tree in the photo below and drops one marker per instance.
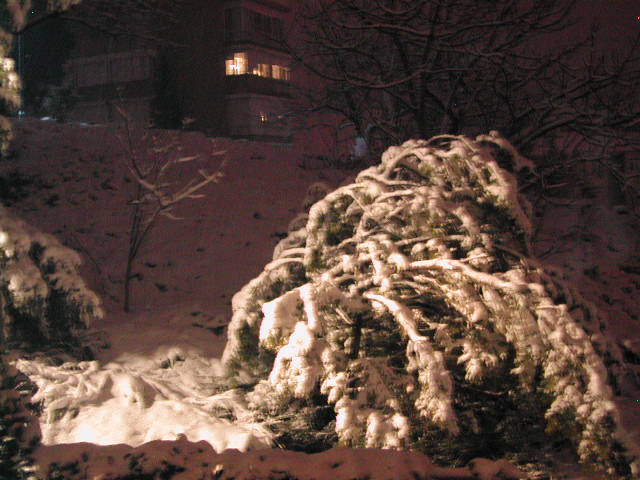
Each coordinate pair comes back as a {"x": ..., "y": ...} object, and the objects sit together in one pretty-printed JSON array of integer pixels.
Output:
[
  {"x": 408, "y": 305},
  {"x": 9, "y": 90},
  {"x": 13, "y": 19},
  {"x": 42, "y": 296},
  {"x": 44, "y": 303}
]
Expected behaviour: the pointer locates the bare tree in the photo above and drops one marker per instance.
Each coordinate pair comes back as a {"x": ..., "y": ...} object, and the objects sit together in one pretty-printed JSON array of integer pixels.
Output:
[
  {"x": 148, "y": 20},
  {"x": 155, "y": 195},
  {"x": 145, "y": 20},
  {"x": 404, "y": 68},
  {"x": 14, "y": 18}
]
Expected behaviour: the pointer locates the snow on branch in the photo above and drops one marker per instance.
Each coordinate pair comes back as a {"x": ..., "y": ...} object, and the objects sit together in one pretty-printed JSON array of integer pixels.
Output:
[
  {"x": 159, "y": 188},
  {"x": 41, "y": 291},
  {"x": 409, "y": 303}
]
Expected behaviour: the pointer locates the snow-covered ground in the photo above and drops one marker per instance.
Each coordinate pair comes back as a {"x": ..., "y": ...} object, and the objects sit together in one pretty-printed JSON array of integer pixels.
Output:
[{"x": 149, "y": 395}]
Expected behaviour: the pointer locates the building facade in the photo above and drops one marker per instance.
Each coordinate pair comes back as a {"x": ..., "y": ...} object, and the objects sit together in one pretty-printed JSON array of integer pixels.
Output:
[
  {"x": 221, "y": 69},
  {"x": 102, "y": 84},
  {"x": 257, "y": 69}
]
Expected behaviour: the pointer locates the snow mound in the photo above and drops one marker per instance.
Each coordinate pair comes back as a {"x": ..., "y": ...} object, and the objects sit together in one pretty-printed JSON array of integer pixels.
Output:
[
  {"x": 115, "y": 404},
  {"x": 185, "y": 460},
  {"x": 409, "y": 302}
]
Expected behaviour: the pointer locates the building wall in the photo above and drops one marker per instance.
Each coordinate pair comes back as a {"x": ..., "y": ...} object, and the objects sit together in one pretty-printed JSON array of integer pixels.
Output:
[
  {"x": 197, "y": 76},
  {"x": 215, "y": 101},
  {"x": 104, "y": 83},
  {"x": 257, "y": 116},
  {"x": 188, "y": 76}
]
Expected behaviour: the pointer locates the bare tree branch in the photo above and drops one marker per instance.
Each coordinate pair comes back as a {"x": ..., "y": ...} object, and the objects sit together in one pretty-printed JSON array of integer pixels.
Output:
[
  {"x": 155, "y": 195},
  {"x": 418, "y": 68}
]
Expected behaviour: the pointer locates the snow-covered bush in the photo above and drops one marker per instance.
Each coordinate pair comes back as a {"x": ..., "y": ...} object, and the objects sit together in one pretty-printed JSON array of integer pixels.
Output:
[
  {"x": 43, "y": 298},
  {"x": 409, "y": 303},
  {"x": 15, "y": 449}
]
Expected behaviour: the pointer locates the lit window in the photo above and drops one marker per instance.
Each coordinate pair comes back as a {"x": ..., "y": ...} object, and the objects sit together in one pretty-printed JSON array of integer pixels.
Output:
[
  {"x": 238, "y": 65},
  {"x": 280, "y": 72},
  {"x": 264, "y": 69},
  {"x": 230, "y": 67},
  {"x": 260, "y": 66},
  {"x": 264, "y": 118}
]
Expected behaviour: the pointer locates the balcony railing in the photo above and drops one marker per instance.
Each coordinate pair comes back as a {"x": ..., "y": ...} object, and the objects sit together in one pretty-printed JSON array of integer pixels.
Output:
[
  {"x": 250, "y": 36},
  {"x": 247, "y": 83}
]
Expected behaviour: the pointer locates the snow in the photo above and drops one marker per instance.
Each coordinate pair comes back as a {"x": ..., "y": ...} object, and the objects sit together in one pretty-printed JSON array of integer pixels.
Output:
[
  {"x": 279, "y": 315},
  {"x": 159, "y": 456},
  {"x": 452, "y": 177},
  {"x": 161, "y": 358},
  {"x": 112, "y": 404},
  {"x": 33, "y": 266},
  {"x": 295, "y": 367}
]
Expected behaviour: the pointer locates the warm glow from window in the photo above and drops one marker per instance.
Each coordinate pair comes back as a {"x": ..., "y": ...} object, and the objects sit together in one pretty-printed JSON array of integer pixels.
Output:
[
  {"x": 239, "y": 64},
  {"x": 264, "y": 69},
  {"x": 280, "y": 72},
  {"x": 264, "y": 118}
]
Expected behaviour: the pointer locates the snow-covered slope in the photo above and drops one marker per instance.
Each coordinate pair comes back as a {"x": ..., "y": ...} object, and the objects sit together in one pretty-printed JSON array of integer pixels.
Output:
[{"x": 164, "y": 353}]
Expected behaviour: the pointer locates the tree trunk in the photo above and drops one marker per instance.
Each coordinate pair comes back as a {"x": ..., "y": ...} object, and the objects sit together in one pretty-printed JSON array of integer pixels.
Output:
[{"x": 127, "y": 284}]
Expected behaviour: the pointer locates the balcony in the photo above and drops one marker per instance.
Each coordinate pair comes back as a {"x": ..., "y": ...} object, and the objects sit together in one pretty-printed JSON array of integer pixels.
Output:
[
  {"x": 235, "y": 84},
  {"x": 252, "y": 37},
  {"x": 282, "y": 5}
]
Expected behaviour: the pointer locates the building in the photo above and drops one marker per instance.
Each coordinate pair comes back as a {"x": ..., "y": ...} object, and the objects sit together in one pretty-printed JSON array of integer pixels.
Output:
[
  {"x": 102, "y": 83},
  {"x": 257, "y": 70},
  {"x": 221, "y": 68}
]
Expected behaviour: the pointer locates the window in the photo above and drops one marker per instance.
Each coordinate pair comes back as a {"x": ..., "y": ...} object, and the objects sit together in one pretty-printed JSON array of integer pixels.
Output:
[
  {"x": 256, "y": 63},
  {"x": 264, "y": 118},
  {"x": 262, "y": 70},
  {"x": 127, "y": 68},
  {"x": 277, "y": 31},
  {"x": 280, "y": 72},
  {"x": 243, "y": 24},
  {"x": 238, "y": 65},
  {"x": 121, "y": 67},
  {"x": 232, "y": 23},
  {"x": 269, "y": 27},
  {"x": 91, "y": 71}
]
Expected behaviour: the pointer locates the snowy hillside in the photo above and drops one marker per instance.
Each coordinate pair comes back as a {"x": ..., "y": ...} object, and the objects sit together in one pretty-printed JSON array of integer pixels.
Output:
[{"x": 153, "y": 376}]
